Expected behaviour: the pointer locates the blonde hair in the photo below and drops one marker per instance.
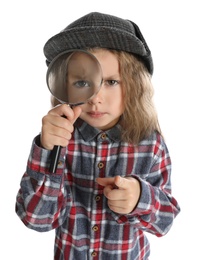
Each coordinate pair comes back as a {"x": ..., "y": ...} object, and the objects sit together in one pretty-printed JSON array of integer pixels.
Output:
[{"x": 139, "y": 119}]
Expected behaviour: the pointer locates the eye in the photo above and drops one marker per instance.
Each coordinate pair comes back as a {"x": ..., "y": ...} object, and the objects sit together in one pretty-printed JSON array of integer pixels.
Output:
[
  {"x": 81, "y": 84},
  {"x": 112, "y": 82}
]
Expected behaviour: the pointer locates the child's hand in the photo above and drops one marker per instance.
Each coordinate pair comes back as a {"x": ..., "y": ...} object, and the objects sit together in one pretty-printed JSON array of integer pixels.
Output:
[
  {"x": 57, "y": 126},
  {"x": 122, "y": 193}
]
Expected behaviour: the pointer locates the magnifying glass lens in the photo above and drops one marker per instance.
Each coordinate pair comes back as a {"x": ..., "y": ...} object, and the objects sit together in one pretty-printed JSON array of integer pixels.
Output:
[{"x": 74, "y": 77}]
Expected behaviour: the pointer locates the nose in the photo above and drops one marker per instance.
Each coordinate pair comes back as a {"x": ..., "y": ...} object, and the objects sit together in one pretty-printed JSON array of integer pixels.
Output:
[{"x": 96, "y": 98}]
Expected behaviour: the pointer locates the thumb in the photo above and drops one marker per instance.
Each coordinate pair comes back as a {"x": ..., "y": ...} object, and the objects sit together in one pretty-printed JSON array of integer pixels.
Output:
[
  {"x": 77, "y": 112},
  {"x": 120, "y": 182}
]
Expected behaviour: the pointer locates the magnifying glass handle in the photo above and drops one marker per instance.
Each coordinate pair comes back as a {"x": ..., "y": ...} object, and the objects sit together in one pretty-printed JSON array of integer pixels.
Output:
[{"x": 55, "y": 154}]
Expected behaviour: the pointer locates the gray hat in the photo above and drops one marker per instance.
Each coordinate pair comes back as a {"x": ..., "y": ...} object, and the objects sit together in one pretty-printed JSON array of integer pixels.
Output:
[{"x": 100, "y": 30}]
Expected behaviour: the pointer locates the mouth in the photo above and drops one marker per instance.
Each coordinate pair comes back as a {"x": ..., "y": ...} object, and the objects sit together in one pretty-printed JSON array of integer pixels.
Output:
[{"x": 96, "y": 114}]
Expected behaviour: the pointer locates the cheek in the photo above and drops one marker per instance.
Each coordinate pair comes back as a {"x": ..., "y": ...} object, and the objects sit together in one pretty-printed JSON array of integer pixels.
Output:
[
  {"x": 117, "y": 99},
  {"x": 122, "y": 101},
  {"x": 122, "y": 107}
]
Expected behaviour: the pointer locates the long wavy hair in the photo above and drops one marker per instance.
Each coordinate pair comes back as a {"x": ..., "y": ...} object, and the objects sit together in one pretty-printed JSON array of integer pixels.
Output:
[{"x": 139, "y": 119}]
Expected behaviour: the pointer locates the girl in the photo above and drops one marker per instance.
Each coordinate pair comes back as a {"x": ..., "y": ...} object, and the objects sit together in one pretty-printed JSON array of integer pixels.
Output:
[{"x": 113, "y": 180}]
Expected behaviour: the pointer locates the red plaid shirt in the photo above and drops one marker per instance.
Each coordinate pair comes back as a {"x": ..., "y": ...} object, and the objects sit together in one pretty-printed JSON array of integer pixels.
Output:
[{"x": 71, "y": 202}]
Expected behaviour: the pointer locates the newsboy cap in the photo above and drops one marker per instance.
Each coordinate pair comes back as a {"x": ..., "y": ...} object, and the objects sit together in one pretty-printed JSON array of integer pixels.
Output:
[{"x": 100, "y": 30}]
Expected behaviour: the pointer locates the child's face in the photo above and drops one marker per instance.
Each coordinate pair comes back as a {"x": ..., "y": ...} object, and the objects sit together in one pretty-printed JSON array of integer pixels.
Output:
[{"x": 104, "y": 109}]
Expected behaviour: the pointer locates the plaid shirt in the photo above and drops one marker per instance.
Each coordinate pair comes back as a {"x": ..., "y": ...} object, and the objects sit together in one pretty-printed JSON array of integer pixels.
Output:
[{"x": 71, "y": 202}]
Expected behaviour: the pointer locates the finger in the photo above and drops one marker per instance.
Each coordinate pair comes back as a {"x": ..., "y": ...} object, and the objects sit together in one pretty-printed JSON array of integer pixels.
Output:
[
  {"x": 118, "y": 207},
  {"x": 63, "y": 111},
  {"x": 52, "y": 121},
  {"x": 106, "y": 181},
  {"x": 114, "y": 194},
  {"x": 117, "y": 181},
  {"x": 77, "y": 112},
  {"x": 53, "y": 135}
]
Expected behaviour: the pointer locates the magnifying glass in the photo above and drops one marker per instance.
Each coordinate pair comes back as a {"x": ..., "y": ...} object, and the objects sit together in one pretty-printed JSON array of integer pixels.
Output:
[{"x": 73, "y": 78}]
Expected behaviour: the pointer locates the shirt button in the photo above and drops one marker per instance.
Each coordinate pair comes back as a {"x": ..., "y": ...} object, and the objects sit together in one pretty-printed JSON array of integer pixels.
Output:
[
  {"x": 103, "y": 136},
  {"x": 94, "y": 254},
  {"x": 100, "y": 165},
  {"x": 97, "y": 198},
  {"x": 60, "y": 163},
  {"x": 95, "y": 228}
]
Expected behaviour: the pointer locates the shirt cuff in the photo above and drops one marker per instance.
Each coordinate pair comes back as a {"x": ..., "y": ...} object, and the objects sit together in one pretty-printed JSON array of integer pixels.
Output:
[{"x": 40, "y": 158}]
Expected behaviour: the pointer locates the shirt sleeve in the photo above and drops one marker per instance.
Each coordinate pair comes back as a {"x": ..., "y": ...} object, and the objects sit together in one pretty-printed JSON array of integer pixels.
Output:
[
  {"x": 157, "y": 208},
  {"x": 43, "y": 201}
]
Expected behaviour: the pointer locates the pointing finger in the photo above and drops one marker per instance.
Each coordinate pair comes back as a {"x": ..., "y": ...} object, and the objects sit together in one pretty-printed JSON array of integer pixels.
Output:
[
  {"x": 106, "y": 181},
  {"x": 115, "y": 182}
]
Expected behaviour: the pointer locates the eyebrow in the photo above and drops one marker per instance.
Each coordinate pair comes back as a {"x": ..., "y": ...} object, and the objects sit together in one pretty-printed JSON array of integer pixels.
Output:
[{"x": 115, "y": 76}]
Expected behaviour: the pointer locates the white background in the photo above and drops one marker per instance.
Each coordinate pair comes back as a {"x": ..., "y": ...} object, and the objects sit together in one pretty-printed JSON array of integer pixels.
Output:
[{"x": 170, "y": 30}]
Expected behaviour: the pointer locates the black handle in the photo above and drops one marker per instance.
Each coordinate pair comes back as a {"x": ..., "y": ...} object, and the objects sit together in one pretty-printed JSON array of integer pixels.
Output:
[{"x": 55, "y": 154}]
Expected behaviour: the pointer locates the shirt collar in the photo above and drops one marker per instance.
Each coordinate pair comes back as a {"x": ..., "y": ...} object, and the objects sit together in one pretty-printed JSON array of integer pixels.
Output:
[{"x": 89, "y": 133}]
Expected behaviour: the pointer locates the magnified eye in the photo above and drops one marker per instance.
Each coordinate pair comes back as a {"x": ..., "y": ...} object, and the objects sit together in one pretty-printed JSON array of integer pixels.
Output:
[{"x": 81, "y": 84}]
